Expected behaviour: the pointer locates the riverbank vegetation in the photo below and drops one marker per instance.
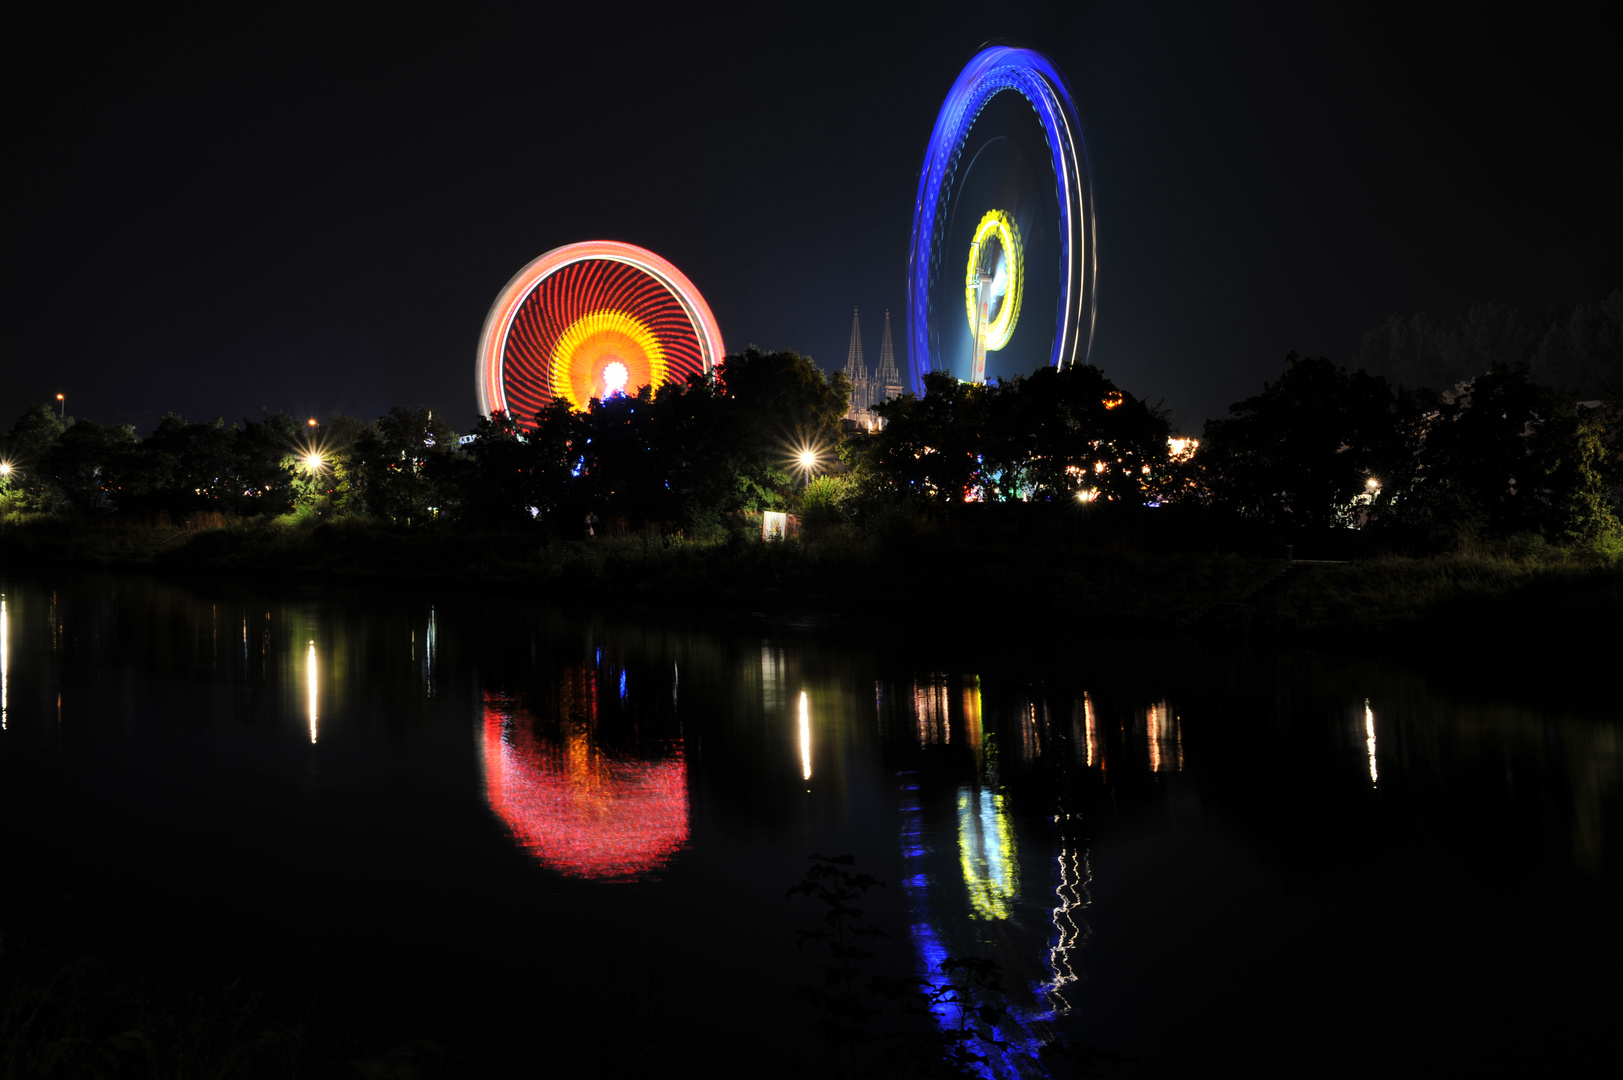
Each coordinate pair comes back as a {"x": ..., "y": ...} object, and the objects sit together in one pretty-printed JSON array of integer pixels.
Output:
[{"x": 1058, "y": 495}]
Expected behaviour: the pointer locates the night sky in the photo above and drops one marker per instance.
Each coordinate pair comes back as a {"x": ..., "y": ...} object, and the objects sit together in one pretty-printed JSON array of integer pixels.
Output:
[{"x": 257, "y": 206}]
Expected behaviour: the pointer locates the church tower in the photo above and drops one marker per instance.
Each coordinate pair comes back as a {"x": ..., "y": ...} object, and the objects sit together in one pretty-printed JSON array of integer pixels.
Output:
[
  {"x": 887, "y": 378},
  {"x": 856, "y": 369}
]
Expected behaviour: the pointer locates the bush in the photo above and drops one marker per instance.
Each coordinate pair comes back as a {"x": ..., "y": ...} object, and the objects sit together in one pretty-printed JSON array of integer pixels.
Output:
[{"x": 823, "y": 501}]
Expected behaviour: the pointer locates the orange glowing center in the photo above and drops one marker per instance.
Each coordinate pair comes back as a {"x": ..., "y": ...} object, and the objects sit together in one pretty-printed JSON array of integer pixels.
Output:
[{"x": 604, "y": 353}]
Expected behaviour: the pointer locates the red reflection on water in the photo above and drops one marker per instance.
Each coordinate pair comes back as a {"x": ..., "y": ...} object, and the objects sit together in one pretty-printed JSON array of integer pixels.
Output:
[{"x": 580, "y": 810}]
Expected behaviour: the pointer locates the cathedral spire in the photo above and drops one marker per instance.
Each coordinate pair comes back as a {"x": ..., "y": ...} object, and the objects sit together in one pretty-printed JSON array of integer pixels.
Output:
[
  {"x": 887, "y": 376},
  {"x": 856, "y": 369}
]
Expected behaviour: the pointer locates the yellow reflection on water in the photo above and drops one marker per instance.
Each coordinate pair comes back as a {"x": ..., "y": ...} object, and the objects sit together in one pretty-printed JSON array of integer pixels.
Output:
[
  {"x": 1369, "y": 742},
  {"x": 986, "y": 852},
  {"x": 1095, "y": 756},
  {"x": 930, "y": 706},
  {"x": 972, "y": 712},
  {"x": 1166, "y": 742},
  {"x": 1034, "y": 731},
  {"x": 805, "y": 738},
  {"x": 310, "y": 686}
]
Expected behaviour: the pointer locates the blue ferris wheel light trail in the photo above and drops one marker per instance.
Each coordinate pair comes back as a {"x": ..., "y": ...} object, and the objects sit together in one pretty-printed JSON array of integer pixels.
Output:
[{"x": 1036, "y": 78}]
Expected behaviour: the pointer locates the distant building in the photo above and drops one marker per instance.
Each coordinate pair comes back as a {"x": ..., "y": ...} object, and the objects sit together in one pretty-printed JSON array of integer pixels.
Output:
[
  {"x": 868, "y": 388},
  {"x": 888, "y": 378}
]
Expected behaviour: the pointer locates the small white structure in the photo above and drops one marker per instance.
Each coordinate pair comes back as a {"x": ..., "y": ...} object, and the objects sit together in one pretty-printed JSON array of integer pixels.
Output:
[{"x": 777, "y": 525}]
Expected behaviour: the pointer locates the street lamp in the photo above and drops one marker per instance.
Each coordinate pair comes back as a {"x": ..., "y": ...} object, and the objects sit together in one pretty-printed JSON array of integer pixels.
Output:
[
  {"x": 63, "y": 413},
  {"x": 808, "y": 462}
]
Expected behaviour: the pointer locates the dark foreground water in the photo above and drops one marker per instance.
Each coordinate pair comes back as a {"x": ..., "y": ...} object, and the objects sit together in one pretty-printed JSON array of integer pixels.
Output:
[{"x": 561, "y": 841}]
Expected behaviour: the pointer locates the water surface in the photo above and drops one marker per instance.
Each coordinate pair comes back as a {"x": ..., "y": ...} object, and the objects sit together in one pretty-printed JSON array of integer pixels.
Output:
[{"x": 563, "y": 838}]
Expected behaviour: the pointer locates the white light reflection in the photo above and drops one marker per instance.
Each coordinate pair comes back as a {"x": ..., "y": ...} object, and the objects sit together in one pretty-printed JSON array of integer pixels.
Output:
[
  {"x": 1075, "y": 875},
  {"x": 431, "y": 651},
  {"x": 5, "y": 665},
  {"x": 310, "y": 686},
  {"x": 1369, "y": 742},
  {"x": 805, "y": 738},
  {"x": 772, "y": 670}
]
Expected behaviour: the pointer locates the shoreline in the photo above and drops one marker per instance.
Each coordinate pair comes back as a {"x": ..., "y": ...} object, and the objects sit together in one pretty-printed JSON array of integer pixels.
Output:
[{"x": 1537, "y": 600}]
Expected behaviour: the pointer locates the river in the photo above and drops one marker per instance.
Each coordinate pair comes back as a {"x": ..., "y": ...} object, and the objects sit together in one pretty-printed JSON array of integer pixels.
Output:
[{"x": 561, "y": 839}]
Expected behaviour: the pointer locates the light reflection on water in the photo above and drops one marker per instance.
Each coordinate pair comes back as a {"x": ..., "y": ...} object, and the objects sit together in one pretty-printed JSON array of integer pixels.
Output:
[
  {"x": 1369, "y": 735},
  {"x": 310, "y": 688},
  {"x": 581, "y": 806},
  {"x": 805, "y": 739},
  {"x": 5, "y": 662},
  {"x": 993, "y": 798}
]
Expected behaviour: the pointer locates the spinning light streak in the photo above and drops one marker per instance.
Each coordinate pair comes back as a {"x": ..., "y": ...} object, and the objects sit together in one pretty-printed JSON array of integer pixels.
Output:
[
  {"x": 996, "y": 250},
  {"x": 589, "y": 320},
  {"x": 1036, "y": 78}
]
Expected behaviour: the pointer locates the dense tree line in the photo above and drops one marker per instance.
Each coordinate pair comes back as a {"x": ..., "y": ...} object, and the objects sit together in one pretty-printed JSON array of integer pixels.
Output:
[
  {"x": 1321, "y": 447},
  {"x": 683, "y": 457},
  {"x": 1056, "y": 435},
  {"x": 1495, "y": 456},
  {"x": 1578, "y": 352}
]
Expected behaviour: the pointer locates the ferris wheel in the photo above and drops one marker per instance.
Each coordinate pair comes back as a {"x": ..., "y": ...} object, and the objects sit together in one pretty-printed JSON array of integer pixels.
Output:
[
  {"x": 1002, "y": 268},
  {"x": 591, "y": 320}
]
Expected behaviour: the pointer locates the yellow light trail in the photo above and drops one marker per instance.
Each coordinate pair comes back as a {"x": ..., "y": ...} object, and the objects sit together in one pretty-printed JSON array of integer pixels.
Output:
[{"x": 996, "y": 223}]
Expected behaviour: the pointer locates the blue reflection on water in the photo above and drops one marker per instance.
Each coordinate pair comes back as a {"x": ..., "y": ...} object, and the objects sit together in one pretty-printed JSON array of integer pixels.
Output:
[{"x": 926, "y": 941}]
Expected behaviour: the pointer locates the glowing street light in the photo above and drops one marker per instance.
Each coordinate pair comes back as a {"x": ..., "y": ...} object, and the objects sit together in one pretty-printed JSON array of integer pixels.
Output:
[
  {"x": 62, "y": 408},
  {"x": 313, "y": 462},
  {"x": 311, "y": 421},
  {"x": 806, "y": 460},
  {"x": 5, "y": 468}
]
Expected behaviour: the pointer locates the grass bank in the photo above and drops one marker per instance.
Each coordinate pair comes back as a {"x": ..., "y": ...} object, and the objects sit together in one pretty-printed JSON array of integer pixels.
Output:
[{"x": 905, "y": 573}]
